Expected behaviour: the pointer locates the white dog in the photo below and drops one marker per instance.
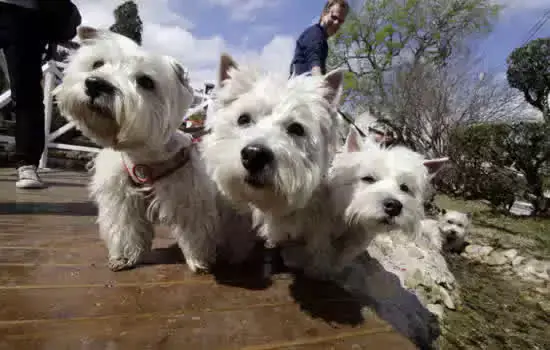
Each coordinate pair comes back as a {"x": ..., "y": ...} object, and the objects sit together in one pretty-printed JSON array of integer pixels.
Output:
[
  {"x": 272, "y": 140},
  {"x": 370, "y": 190},
  {"x": 131, "y": 102},
  {"x": 449, "y": 232}
]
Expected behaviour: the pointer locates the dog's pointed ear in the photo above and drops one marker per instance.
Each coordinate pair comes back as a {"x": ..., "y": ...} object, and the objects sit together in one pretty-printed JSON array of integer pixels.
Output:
[
  {"x": 226, "y": 63},
  {"x": 435, "y": 165},
  {"x": 354, "y": 142},
  {"x": 443, "y": 211},
  {"x": 469, "y": 216},
  {"x": 335, "y": 82},
  {"x": 86, "y": 33}
]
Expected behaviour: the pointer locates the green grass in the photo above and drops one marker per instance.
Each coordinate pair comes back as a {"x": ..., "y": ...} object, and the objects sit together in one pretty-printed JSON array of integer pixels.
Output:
[
  {"x": 531, "y": 234},
  {"x": 498, "y": 311}
]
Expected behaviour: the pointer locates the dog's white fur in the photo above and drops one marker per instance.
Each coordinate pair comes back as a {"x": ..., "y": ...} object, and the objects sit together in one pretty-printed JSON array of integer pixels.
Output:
[
  {"x": 363, "y": 180},
  {"x": 349, "y": 209},
  {"x": 449, "y": 231},
  {"x": 138, "y": 124},
  {"x": 292, "y": 119}
]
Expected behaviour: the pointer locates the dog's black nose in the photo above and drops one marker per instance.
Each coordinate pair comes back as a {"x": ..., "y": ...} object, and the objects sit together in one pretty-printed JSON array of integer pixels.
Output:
[
  {"x": 392, "y": 207},
  {"x": 255, "y": 157},
  {"x": 96, "y": 86}
]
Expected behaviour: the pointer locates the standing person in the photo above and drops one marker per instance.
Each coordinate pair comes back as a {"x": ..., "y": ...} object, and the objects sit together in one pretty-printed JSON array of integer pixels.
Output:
[
  {"x": 311, "y": 52},
  {"x": 26, "y": 27}
]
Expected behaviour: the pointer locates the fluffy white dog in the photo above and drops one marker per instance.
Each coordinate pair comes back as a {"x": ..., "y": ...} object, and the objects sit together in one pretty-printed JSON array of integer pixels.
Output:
[
  {"x": 130, "y": 102},
  {"x": 370, "y": 190},
  {"x": 449, "y": 231},
  {"x": 272, "y": 140}
]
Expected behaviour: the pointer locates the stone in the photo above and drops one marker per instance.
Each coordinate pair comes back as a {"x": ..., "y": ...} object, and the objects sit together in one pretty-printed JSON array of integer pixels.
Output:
[
  {"x": 436, "y": 309},
  {"x": 472, "y": 249},
  {"x": 510, "y": 254},
  {"x": 485, "y": 250},
  {"x": 446, "y": 298},
  {"x": 518, "y": 260},
  {"x": 544, "y": 305},
  {"x": 496, "y": 258},
  {"x": 420, "y": 267},
  {"x": 477, "y": 252}
]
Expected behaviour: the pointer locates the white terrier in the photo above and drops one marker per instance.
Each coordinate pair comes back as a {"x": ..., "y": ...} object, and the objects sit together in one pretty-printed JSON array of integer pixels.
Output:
[
  {"x": 131, "y": 102},
  {"x": 272, "y": 141},
  {"x": 370, "y": 190},
  {"x": 449, "y": 232}
]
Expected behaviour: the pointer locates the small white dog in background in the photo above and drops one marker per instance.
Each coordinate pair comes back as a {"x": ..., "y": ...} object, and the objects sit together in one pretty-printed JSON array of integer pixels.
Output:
[
  {"x": 130, "y": 102},
  {"x": 272, "y": 141},
  {"x": 447, "y": 233}
]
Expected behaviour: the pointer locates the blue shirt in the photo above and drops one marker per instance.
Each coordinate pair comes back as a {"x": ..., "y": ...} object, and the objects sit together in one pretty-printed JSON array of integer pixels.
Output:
[{"x": 311, "y": 50}]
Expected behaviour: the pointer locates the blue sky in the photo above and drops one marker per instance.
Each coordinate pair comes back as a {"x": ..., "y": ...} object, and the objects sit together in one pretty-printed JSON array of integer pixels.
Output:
[
  {"x": 511, "y": 31},
  {"x": 254, "y": 31},
  {"x": 264, "y": 31},
  {"x": 290, "y": 17}
]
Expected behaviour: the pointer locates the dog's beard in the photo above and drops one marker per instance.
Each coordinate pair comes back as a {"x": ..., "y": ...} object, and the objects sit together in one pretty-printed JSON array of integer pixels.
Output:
[
  {"x": 101, "y": 107},
  {"x": 95, "y": 119},
  {"x": 373, "y": 219},
  {"x": 278, "y": 188},
  {"x": 281, "y": 190}
]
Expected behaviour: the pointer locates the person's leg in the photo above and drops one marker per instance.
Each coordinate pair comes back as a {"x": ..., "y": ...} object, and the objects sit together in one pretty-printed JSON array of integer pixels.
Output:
[{"x": 24, "y": 60}]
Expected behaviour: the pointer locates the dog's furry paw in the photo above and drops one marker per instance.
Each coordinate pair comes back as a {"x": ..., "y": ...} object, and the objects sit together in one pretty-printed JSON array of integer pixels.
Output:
[
  {"x": 197, "y": 265},
  {"x": 120, "y": 263}
]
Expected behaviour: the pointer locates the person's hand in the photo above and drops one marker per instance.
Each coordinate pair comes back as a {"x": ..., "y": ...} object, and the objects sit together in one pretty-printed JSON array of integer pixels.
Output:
[
  {"x": 51, "y": 50},
  {"x": 316, "y": 71}
]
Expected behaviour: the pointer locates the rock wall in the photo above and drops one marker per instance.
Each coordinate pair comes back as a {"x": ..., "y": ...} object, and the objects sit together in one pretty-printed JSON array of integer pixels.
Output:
[
  {"x": 420, "y": 267},
  {"x": 509, "y": 261}
]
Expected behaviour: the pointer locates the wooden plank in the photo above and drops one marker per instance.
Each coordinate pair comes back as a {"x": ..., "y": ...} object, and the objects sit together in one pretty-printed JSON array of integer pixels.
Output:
[
  {"x": 254, "y": 328},
  {"x": 57, "y": 293}
]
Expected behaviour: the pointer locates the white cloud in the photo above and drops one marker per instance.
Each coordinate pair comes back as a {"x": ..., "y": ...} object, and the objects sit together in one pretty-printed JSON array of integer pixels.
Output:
[
  {"x": 245, "y": 10},
  {"x": 167, "y": 32}
]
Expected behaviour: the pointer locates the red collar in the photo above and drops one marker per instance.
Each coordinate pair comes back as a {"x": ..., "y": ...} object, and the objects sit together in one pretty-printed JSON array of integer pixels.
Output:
[{"x": 147, "y": 174}]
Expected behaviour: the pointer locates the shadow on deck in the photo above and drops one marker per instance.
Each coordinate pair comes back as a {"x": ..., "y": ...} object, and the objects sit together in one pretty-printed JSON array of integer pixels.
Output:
[{"x": 57, "y": 293}]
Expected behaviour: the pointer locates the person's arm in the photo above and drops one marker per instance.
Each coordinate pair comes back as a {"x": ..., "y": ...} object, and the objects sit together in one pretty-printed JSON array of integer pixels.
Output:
[{"x": 314, "y": 42}]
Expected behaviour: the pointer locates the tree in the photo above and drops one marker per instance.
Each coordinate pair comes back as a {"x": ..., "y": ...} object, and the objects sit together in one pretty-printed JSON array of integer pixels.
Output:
[
  {"x": 384, "y": 34},
  {"x": 529, "y": 71},
  {"x": 427, "y": 101},
  {"x": 485, "y": 156},
  {"x": 528, "y": 147},
  {"x": 128, "y": 22}
]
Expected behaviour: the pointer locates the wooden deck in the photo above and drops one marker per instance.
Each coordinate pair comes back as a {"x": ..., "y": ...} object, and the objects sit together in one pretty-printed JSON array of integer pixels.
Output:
[{"x": 57, "y": 293}]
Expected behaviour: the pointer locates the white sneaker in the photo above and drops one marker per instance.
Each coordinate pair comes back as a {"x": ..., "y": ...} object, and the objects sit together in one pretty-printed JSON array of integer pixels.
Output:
[{"x": 28, "y": 178}]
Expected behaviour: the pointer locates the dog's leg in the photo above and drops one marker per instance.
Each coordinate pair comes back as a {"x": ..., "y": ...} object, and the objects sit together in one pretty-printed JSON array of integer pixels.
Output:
[
  {"x": 198, "y": 247},
  {"x": 320, "y": 253},
  {"x": 349, "y": 246},
  {"x": 124, "y": 228}
]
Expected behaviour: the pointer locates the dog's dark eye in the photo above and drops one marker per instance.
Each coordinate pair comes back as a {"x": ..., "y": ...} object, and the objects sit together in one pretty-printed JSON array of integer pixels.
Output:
[
  {"x": 450, "y": 222},
  {"x": 405, "y": 188},
  {"x": 244, "y": 119},
  {"x": 459, "y": 225},
  {"x": 97, "y": 64},
  {"x": 145, "y": 82},
  {"x": 296, "y": 129},
  {"x": 368, "y": 179}
]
